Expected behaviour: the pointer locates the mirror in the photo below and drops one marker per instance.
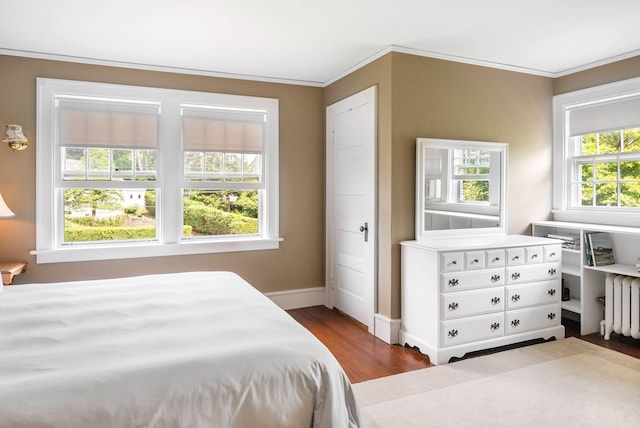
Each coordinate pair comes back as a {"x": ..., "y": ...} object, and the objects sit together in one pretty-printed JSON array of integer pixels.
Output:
[{"x": 460, "y": 187}]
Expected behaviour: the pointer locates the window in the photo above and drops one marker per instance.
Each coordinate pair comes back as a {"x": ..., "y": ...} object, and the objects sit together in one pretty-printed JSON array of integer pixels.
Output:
[
  {"x": 136, "y": 172},
  {"x": 471, "y": 176},
  {"x": 597, "y": 154}
]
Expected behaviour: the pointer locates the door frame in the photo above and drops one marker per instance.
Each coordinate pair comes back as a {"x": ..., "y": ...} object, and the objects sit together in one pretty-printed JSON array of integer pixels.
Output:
[{"x": 365, "y": 96}]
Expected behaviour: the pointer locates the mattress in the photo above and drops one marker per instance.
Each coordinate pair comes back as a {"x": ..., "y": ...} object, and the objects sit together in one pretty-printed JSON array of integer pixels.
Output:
[{"x": 196, "y": 349}]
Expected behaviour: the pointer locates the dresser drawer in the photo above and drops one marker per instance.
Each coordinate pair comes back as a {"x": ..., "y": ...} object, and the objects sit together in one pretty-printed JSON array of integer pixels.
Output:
[
  {"x": 456, "y": 281},
  {"x": 495, "y": 258},
  {"x": 475, "y": 302},
  {"x": 452, "y": 262},
  {"x": 534, "y": 254},
  {"x": 474, "y": 260},
  {"x": 552, "y": 253},
  {"x": 515, "y": 256},
  {"x": 533, "y": 294},
  {"x": 471, "y": 329},
  {"x": 531, "y": 273},
  {"x": 530, "y": 319}
]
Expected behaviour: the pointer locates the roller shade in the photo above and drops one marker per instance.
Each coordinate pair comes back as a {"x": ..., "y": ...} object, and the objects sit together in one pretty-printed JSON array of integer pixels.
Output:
[
  {"x": 102, "y": 123},
  {"x": 602, "y": 117},
  {"x": 222, "y": 130}
]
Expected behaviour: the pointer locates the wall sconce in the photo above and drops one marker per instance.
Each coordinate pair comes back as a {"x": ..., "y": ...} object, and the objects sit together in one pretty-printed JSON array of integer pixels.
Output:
[
  {"x": 15, "y": 138},
  {"x": 5, "y": 212}
]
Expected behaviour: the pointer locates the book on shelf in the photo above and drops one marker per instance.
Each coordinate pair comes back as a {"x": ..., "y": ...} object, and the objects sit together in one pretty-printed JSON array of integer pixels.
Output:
[
  {"x": 571, "y": 242},
  {"x": 587, "y": 250},
  {"x": 600, "y": 248}
]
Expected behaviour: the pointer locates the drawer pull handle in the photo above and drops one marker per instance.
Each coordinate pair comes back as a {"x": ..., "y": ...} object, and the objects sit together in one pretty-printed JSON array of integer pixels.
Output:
[
  {"x": 495, "y": 300},
  {"x": 551, "y": 316},
  {"x": 515, "y": 275},
  {"x": 552, "y": 271},
  {"x": 495, "y": 278},
  {"x": 453, "y": 333},
  {"x": 515, "y": 297},
  {"x": 497, "y": 259},
  {"x": 454, "y": 262},
  {"x": 515, "y": 323},
  {"x": 475, "y": 260},
  {"x": 516, "y": 258},
  {"x": 551, "y": 292},
  {"x": 453, "y": 282},
  {"x": 495, "y": 326},
  {"x": 534, "y": 256},
  {"x": 552, "y": 254},
  {"x": 453, "y": 306}
]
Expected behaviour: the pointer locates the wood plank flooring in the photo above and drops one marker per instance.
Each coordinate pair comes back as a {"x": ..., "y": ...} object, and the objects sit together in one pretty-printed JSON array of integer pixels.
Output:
[
  {"x": 365, "y": 357},
  {"x": 362, "y": 355}
]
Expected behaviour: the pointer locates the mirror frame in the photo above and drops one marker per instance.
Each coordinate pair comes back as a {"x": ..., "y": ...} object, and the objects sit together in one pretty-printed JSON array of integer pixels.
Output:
[{"x": 421, "y": 231}]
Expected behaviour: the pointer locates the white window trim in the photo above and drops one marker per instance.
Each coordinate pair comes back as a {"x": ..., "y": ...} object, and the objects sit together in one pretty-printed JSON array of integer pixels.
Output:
[
  {"x": 169, "y": 242},
  {"x": 562, "y": 104}
]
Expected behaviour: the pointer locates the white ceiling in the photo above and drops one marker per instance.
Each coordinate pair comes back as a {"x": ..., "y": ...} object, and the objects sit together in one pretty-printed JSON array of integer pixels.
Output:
[{"x": 315, "y": 42}]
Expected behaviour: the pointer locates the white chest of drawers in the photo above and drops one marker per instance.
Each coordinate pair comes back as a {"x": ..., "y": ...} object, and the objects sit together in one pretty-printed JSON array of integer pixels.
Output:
[{"x": 466, "y": 294}]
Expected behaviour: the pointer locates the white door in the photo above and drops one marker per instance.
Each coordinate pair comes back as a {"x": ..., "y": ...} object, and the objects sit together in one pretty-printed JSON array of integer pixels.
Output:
[{"x": 351, "y": 206}]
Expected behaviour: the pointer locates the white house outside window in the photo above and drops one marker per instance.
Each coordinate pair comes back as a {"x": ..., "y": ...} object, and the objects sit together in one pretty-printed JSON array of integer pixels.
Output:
[
  {"x": 136, "y": 172},
  {"x": 597, "y": 154}
]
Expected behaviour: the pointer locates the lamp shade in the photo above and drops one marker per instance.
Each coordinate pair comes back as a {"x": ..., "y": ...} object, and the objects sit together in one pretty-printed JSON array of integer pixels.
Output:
[
  {"x": 15, "y": 138},
  {"x": 5, "y": 212}
]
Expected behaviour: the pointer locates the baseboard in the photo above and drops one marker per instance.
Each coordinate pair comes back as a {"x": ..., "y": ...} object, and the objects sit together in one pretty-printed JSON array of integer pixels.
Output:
[
  {"x": 386, "y": 329},
  {"x": 294, "y": 299}
]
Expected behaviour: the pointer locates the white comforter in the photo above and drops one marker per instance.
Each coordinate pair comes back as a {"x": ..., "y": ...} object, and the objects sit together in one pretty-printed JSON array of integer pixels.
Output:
[{"x": 198, "y": 349}]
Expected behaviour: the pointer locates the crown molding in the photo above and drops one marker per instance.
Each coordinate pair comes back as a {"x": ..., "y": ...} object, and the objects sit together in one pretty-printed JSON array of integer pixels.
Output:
[
  {"x": 151, "y": 67},
  {"x": 355, "y": 67}
]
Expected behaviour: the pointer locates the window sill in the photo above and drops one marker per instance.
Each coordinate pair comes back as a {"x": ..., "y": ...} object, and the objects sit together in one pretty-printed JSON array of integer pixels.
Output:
[
  {"x": 600, "y": 217},
  {"x": 78, "y": 253}
]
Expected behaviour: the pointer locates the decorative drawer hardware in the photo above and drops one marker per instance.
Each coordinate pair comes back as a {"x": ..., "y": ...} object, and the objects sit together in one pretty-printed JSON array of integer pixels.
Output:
[
  {"x": 453, "y": 306},
  {"x": 495, "y": 278},
  {"x": 552, "y": 255},
  {"x": 515, "y": 297},
  {"x": 551, "y": 316},
  {"x": 497, "y": 259},
  {"x": 475, "y": 260},
  {"x": 495, "y": 300},
  {"x": 534, "y": 256},
  {"x": 453, "y": 333},
  {"x": 515, "y": 275},
  {"x": 453, "y": 282},
  {"x": 515, "y": 258},
  {"x": 453, "y": 262},
  {"x": 495, "y": 326},
  {"x": 515, "y": 323},
  {"x": 552, "y": 271},
  {"x": 551, "y": 292}
]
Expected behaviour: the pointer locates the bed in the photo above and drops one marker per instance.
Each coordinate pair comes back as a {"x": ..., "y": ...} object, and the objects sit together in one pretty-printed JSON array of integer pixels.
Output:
[{"x": 196, "y": 349}]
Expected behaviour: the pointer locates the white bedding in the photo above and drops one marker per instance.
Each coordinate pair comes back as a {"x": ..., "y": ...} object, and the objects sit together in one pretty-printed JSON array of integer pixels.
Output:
[{"x": 198, "y": 349}]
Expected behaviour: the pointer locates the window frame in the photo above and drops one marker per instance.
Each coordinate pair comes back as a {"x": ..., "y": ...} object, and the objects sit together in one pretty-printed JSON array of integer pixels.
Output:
[{"x": 170, "y": 176}]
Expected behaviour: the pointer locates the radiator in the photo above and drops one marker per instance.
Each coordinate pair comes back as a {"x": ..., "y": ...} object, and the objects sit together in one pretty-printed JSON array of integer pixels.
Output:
[{"x": 622, "y": 306}]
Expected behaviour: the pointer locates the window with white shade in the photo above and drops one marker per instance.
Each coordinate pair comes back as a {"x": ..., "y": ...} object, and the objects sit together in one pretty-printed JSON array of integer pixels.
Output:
[
  {"x": 597, "y": 154},
  {"x": 136, "y": 172}
]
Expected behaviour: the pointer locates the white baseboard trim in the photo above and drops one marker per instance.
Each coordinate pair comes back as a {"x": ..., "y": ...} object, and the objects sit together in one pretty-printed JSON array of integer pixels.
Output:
[
  {"x": 294, "y": 299},
  {"x": 386, "y": 329}
]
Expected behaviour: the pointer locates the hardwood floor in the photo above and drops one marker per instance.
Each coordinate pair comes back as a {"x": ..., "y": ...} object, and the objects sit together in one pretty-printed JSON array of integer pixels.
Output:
[
  {"x": 362, "y": 355},
  {"x": 365, "y": 357}
]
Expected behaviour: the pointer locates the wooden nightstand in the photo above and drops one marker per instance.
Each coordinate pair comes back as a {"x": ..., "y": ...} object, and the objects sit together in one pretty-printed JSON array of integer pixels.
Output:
[{"x": 11, "y": 269}]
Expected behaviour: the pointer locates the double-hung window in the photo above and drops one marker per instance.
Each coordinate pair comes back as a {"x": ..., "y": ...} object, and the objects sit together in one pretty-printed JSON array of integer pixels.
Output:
[
  {"x": 597, "y": 154},
  {"x": 129, "y": 171}
]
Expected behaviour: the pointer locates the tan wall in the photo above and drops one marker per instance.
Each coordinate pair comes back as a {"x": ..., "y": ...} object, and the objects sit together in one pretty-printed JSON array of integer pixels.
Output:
[
  {"x": 299, "y": 263},
  {"x": 614, "y": 72},
  {"x": 443, "y": 99}
]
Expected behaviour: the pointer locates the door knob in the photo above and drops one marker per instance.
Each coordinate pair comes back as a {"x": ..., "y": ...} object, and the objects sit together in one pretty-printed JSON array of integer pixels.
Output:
[{"x": 365, "y": 228}]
